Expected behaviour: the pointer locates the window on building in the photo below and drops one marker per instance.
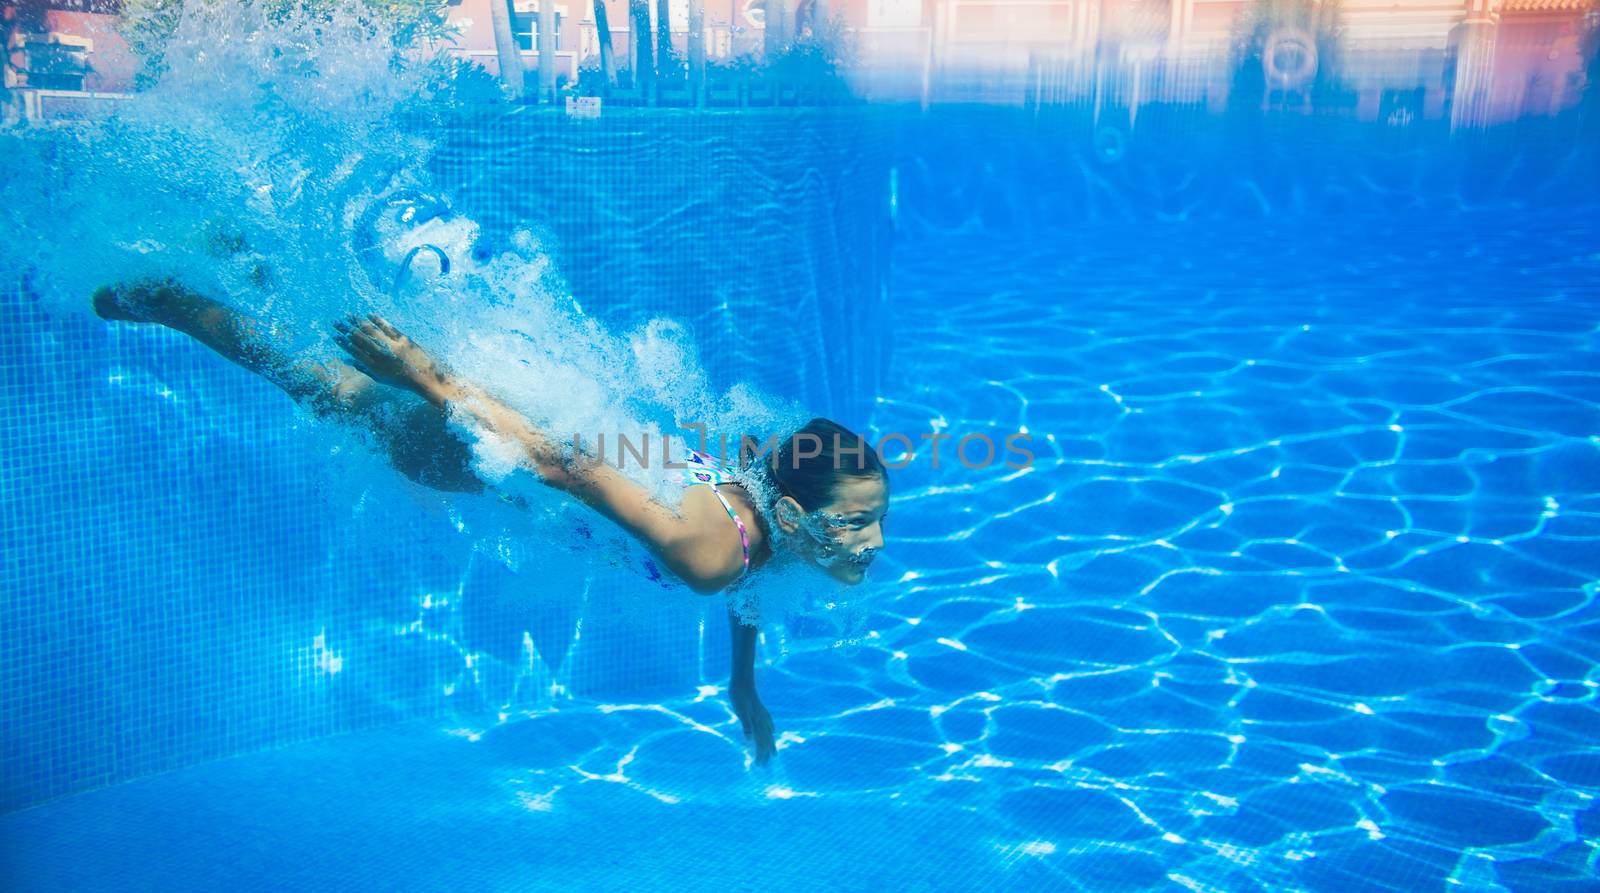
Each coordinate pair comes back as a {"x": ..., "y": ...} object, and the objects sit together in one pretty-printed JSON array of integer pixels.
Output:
[
  {"x": 525, "y": 28},
  {"x": 54, "y": 61}
]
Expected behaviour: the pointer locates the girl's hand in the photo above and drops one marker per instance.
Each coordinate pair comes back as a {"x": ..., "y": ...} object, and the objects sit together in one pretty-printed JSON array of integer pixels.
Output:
[
  {"x": 755, "y": 719},
  {"x": 381, "y": 351}
]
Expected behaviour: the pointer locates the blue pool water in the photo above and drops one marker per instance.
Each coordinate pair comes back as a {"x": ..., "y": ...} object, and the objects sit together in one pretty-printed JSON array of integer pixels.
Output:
[{"x": 1298, "y": 593}]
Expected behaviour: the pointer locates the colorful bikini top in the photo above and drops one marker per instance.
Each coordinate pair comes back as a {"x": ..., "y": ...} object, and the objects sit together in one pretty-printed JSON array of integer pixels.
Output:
[{"x": 705, "y": 469}]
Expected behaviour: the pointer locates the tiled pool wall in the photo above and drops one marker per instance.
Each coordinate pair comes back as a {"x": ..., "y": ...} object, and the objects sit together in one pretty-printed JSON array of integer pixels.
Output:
[
  {"x": 767, "y": 231},
  {"x": 181, "y": 580}
]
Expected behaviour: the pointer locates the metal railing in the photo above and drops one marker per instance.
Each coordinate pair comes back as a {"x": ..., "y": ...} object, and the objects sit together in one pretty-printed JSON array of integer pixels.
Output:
[
  {"x": 1125, "y": 80},
  {"x": 37, "y": 105}
]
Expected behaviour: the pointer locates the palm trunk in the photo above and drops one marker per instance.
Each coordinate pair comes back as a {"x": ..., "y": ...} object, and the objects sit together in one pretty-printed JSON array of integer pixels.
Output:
[
  {"x": 505, "y": 47},
  {"x": 772, "y": 32},
  {"x": 697, "y": 49},
  {"x": 663, "y": 33},
  {"x": 639, "y": 36},
  {"x": 547, "y": 51},
  {"x": 602, "y": 29}
]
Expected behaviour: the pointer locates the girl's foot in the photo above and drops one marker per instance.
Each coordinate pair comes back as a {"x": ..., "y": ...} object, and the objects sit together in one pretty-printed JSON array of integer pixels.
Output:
[{"x": 148, "y": 300}]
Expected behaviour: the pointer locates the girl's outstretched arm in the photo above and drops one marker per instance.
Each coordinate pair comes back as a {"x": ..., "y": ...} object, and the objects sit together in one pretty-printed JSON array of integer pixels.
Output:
[
  {"x": 682, "y": 541},
  {"x": 753, "y": 716}
]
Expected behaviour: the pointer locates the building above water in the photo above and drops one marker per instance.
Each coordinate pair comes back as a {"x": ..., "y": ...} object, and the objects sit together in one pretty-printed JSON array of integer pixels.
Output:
[{"x": 1477, "y": 60}]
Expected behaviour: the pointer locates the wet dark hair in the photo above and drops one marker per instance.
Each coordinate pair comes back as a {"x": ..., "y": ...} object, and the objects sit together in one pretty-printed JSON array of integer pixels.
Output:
[{"x": 791, "y": 469}]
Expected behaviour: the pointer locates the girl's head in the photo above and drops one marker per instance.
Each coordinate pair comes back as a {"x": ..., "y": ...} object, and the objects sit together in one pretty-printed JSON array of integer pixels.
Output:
[
  {"x": 400, "y": 223},
  {"x": 830, "y": 494}
]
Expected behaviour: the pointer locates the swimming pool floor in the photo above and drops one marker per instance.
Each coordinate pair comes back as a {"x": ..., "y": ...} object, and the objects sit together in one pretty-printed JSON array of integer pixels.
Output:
[{"x": 414, "y": 808}]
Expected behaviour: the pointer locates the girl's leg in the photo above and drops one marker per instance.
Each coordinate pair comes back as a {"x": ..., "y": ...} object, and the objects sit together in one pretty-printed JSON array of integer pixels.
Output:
[{"x": 415, "y": 434}]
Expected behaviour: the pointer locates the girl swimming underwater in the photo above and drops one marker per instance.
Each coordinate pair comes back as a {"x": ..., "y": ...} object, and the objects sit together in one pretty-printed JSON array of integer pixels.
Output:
[{"x": 820, "y": 496}]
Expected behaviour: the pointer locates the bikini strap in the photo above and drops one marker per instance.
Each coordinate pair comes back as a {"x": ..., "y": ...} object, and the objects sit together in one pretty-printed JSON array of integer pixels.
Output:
[
  {"x": 703, "y": 468},
  {"x": 744, "y": 536}
]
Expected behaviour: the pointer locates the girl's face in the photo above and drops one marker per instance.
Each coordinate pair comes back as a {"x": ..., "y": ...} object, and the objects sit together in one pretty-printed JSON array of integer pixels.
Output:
[{"x": 843, "y": 537}]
